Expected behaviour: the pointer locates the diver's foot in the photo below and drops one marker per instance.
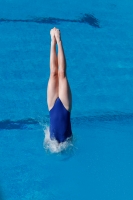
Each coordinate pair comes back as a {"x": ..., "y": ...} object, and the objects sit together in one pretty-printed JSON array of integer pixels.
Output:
[
  {"x": 52, "y": 33},
  {"x": 57, "y": 35}
]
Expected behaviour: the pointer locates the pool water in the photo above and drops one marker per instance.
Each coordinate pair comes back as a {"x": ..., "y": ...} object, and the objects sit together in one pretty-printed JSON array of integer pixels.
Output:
[{"x": 97, "y": 38}]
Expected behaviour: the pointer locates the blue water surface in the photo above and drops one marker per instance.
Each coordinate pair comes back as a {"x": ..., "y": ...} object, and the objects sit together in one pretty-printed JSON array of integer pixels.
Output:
[{"x": 97, "y": 38}]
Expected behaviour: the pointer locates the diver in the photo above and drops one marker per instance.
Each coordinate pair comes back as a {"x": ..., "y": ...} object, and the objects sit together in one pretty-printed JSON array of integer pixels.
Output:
[{"x": 59, "y": 97}]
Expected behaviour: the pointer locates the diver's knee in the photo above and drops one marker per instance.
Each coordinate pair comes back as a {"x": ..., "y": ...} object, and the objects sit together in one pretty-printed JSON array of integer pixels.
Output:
[
  {"x": 61, "y": 74},
  {"x": 53, "y": 74}
]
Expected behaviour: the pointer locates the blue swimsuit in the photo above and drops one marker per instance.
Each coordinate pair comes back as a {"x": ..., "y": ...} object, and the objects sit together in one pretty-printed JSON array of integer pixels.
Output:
[{"x": 60, "y": 125}]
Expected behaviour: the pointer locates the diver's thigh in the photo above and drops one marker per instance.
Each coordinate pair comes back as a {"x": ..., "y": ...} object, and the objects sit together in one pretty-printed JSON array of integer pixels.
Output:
[
  {"x": 52, "y": 91},
  {"x": 65, "y": 93}
]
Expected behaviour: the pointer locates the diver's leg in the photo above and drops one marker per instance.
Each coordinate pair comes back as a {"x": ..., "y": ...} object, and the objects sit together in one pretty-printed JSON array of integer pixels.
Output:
[
  {"x": 64, "y": 88},
  {"x": 52, "y": 90}
]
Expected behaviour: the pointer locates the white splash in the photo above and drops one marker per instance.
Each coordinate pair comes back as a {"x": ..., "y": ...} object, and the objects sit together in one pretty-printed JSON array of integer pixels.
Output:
[{"x": 52, "y": 145}]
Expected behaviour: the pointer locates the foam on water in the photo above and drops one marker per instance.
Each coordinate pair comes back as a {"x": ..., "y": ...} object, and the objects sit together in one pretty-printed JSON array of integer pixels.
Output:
[{"x": 53, "y": 146}]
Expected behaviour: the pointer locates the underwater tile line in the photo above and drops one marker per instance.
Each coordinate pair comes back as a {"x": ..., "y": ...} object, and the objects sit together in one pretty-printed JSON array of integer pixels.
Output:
[
  {"x": 18, "y": 124},
  {"x": 85, "y": 18},
  {"x": 30, "y": 123}
]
